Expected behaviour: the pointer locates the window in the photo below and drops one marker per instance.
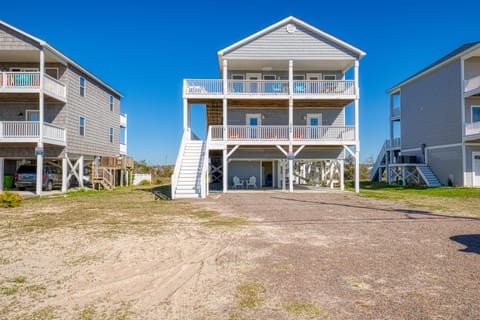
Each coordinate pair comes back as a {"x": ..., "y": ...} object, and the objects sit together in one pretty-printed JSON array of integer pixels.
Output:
[
  {"x": 475, "y": 113},
  {"x": 329, "y": 77},
  {"x": 82, "y": 126},
  {"x": 298, "y": 77},
  {"x": 82, "y": 87},
  {"x": 237, "y": 86},
  {"x": 111, "y": 103},
  {"x": 32, "y": 115},
  {"x": 111, "y": 135}
]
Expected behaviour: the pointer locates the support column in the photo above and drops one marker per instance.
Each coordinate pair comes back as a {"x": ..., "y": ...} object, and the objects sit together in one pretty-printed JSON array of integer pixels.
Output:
[
  {"x": 2, "y": 173},
  {"x": 39, "y": 150},
  {"x": 357, "y": 130},
  {"x": 225, "y": 102},
  {"x": 185, "y": 114},
  {"x": 64, "y": 175},
  {"x": 290, "y": 125},
  {"x": 284, "y": 186},
  {"x": 80, "y": 171},
  {"x": 342, "y": 178},
  {"x": 225, "y": 170}
]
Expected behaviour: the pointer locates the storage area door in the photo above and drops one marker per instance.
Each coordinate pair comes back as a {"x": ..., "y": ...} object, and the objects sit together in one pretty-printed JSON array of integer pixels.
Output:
[{"x": 476, "y": 168}]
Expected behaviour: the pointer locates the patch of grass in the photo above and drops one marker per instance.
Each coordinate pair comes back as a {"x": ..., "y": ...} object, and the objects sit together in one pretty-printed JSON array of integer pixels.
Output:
[
  {"x": 4, "y": 261},
  {"x": 284, "y": 267},
  {"x": 250, "y": 295},
  {"x": 358, "y": 284},
  {"x": 305, "y": 310},
  {"x": 47, "y": 313},
  {"x": 363, "y": 304},
  {"x": 230, "y": 222},
  {"x": 82, "y": 260},
  {"x": 36, "y": 288},
  {"x": 19, "y": 279},
  {"x": 205, "y": 214},
  {"x": 8, "y": 291},
  {"x": 88, "y": 313}
]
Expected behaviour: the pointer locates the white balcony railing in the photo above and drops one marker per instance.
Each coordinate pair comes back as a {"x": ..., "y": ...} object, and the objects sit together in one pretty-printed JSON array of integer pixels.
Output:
[
  {"x": 267, "y": 88},
  {"x": 23, "y": 81},
  {"x": 472, "y": 128},
  {"x": 29, "y": 131},
  {"x": 253, "y": 134},
  {"x": 123, "y": 120},
  {"x": 472, "y": 84},
  {"x": 123, "y": 149},
  {"x": 396, "y": 112}
]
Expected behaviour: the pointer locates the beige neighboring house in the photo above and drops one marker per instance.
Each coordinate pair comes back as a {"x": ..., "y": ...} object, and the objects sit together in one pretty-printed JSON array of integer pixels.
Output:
[
  {"x": 53, "y": 111},
  {"x": 275, "y": 116}
]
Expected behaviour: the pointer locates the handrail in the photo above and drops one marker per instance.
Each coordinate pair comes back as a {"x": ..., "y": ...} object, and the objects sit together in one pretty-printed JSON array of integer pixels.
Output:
[
  {"x": 380, "y": 156},
  {"x": 204, "y": 176},
  {"x": 472, "y": 128},
  {"x": 178, "y": 163},
  {"x": 472, "y": 83},
  {"x": 54, "y": 86}
]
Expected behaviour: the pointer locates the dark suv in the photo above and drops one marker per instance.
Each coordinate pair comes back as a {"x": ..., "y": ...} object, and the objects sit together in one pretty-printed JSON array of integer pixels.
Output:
[{"x": 26, "y": 177}]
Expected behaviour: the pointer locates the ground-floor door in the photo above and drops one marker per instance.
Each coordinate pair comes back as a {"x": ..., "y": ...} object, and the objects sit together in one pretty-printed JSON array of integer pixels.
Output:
[{"x": 476, "y": 169}]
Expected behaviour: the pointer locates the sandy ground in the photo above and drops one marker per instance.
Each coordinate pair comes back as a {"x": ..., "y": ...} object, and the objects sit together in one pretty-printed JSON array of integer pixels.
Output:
[{"x": 300, "y": 256}]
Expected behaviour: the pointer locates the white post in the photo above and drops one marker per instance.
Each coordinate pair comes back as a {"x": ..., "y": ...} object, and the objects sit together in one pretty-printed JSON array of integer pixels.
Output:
[
  {"x": 125, "y": 135},
  {"x": 64, "y": 175},
  {"x": 225, "y": 170},
  {"x": 357, "y": 138},
  {"x": 290, "y": 101},
  {"x": 2, "y": 173},
  {"x": 185, "y": 115},
  {"x": 40, "y": 151},
  {"x": 284, "y": 186},
  {"x": 80, "y": 171},
  {"x": 342, "y": 172},
  {"x": 225, "y": 103},
  {"x": 464, "y": 153}
]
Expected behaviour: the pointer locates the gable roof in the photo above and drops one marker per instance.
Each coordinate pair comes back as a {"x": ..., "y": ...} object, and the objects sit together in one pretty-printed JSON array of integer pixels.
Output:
[
  {"x": 297, "y": 21},
  {"x": 56, "y": 52},
  {"x": 455, "y": 54}
]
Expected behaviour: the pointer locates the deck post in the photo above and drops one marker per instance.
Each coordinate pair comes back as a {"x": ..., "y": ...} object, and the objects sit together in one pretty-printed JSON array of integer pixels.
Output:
[
  {"x": 357, "y": 140},
  {"x": 225, "y": 169},
  {"x": 2, "y": 173},
  {"x": 80, "y": 171},
  {"x": 39, "y": 150},
  {"x": 342, "y": 178},
  {"x": 225, "y": 102},
  {"x": 64, "y": 175},
  {"x": 185, "y": 114},
  {"x": 284, "y": 185}
]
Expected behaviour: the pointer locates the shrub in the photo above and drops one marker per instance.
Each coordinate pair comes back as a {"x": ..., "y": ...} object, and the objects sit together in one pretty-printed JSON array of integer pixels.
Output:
[
  {"x": 144, "y": 183},
  {"x": 158, "y": 181},
  {"x": 10, "y": 199}
]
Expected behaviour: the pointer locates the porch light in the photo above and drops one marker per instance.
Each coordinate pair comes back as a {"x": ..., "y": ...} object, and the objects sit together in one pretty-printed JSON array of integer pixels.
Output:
[{"x": 20, "y": 114}]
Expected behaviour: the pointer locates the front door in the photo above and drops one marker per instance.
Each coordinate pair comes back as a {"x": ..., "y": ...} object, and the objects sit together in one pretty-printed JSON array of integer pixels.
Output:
[
  {"x": 476, "y": 168},
  {"x": 254, "y": 82}
]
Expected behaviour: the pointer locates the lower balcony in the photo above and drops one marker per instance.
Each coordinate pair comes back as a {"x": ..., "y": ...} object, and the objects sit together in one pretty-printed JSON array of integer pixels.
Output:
[
  {"x": 29, "y": 131},
  {"x": 123, "y": 149},
  {"x": 321, "y": 135}
]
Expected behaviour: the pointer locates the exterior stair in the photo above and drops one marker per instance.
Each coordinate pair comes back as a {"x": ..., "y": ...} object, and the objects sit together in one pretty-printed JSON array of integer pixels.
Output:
[
  {"x": 102, "y": 177},
  {"x": 380, "y": 160},
  {"x": 190, "y": 171},
  {"x": 428, "y": 176}
]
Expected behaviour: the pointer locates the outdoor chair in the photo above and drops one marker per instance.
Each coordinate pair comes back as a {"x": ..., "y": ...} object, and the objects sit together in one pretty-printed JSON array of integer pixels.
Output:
[
  {"x": 252, "y": 181},
  {"x": 237, "y": 183}
]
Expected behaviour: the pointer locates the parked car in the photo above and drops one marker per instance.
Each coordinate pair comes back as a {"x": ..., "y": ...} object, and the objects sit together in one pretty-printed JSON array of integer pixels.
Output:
[{"x": 26, "y": 177}]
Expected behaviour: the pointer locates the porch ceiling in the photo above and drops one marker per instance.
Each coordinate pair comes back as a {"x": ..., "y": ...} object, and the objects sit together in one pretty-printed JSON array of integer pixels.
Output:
[
  {"x": 24, "y": 97},
  {"x": 23, "y": 56},
  {"x": 298, "y": 65}
]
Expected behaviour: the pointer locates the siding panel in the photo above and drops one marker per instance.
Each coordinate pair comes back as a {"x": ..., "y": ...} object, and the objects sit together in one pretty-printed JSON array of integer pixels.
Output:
[
  {"x": 11, "y": 40},
  {"x": 333, "y": 117}
]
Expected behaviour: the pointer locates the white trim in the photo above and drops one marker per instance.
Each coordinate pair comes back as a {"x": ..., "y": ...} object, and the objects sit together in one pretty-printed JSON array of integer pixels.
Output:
[
  {"x": 329, "y": 75},
  {"x": 258, "y": 116},
  {"x": 462, "y": 111},
  {"x": 269, "y": 75},
  {"x": 316, "y": 75},
  {"x": 463, "y": 54},
  {"x": 473, "y": 106},
  {"x": 238, "y": 75},
  {"x": 410, "y": 150},
  {"x": 474, "y": 153},
  {"x": 80, "y": 125},
  {"x": 80, "y": 86},
  {"x": 443, "y": 146},
  {"x": 30, "y": 111},
  {"x": 23, "y": 69},
  {"x": 60, "y": 55},
  {"x": 257, "y": 75},
  {"x": 287, "y": 20},
  {"x": 311, "y": 116}
]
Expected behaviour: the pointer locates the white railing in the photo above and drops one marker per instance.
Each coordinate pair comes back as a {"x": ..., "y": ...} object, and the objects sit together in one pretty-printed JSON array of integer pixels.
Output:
[
  {"x": 257, "y": 87},
  {"x": 396, "y": 112},
  {"x": 27, "y": 80},
  {"x": 472, "y": 128},
  {"x": 205, "y": 87},
  {"x": 472, "y": 83},
  {"x": 30, "y": 129},
  {"x": 123, "y": 120},
  {"x": 395, "y": 143},
  {"x": 53, "y": 132},
  {"x": 176, "y": 171},
  {"x": 202, "y": 87},
  {"x": 281, "y": 133},
  {"x": 204, "y": 176},
  {"x": 325, "y": 133},
  {"x": 123, "y": 148},
  {"x": 54, "y": 86},
  {"x": 324, "y": 87},
  {"x": 380, "y": 157}
]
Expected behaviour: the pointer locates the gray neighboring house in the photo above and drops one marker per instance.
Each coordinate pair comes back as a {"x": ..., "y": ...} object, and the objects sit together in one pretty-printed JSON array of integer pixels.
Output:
[
  {"x": 435, "y": 124},
  {"x": 52, "y": 110},
  {"x": 275, "y": 119}
]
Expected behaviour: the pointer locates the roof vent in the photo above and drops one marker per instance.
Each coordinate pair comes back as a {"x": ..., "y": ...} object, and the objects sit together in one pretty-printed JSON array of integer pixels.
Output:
[{"x": 291, "y": 28}]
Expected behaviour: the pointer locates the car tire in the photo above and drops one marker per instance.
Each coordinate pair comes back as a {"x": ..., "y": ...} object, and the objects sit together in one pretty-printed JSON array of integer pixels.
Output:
[{"x": 49, "y": 186}]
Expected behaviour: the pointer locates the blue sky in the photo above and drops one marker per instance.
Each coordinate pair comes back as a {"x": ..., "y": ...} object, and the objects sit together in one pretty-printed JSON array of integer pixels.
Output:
[{"x": 145, "y": 49}]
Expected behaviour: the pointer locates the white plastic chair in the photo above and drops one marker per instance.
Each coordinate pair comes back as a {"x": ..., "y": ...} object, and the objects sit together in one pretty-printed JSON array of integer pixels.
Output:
[
  {"x": 237, "y": 183},
  {"x": 252, "y": 181}
]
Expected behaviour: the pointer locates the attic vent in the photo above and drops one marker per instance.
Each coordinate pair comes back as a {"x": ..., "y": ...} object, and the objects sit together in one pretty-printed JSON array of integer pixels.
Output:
[{"x": 291, "y": 28}]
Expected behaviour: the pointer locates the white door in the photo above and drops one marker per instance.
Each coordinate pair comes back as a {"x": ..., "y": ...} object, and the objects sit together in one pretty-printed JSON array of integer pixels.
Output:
[
  {"x": 254, "y": 83},
  {"x": 314, "y": 82},
  {"x": 476, "y": 168}
]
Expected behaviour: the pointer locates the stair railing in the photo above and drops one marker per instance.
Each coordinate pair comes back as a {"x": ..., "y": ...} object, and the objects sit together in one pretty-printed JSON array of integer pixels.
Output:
[
  {"x": 176, "y": 172},
  {"x": 381, "y": 154}
]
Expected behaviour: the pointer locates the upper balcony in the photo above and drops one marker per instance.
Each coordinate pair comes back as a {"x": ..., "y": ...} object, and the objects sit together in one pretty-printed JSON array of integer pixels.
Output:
[
  {"x": 29, "y": 82},
  {"x": 472, "y": 86},
  {"x": 123, "y": 120},
  {"x": 29, "y": 131},
  {"x": 269, "y": 89}
]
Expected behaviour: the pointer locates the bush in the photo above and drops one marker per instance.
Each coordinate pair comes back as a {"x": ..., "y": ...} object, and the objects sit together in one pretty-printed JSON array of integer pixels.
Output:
[
  {"x": 144, "y": 183},
  {"x": 10, "y": 199},
  {"x": 158, "y": 181}
]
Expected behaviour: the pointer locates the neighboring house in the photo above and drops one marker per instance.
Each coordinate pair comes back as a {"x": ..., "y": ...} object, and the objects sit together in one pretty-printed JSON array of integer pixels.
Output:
[
  {"x": 435, "y": 124},
  {"x": 277, "y": 115},
  {"x": 54, "y": 111}
]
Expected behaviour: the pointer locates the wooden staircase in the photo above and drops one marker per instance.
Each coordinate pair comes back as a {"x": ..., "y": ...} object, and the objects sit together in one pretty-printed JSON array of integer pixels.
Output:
[{"x": 102, "y": 178}]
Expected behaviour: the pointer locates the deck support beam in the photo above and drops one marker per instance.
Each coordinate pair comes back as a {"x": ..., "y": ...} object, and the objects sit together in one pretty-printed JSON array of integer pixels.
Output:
[
  {"x": 39, "y": 150},
  {"x": 357, "y": 140},
  {"x": 64, "y": 175},
  {"x": 225, "y": 170},
  {"x": 2, "y": 173}
]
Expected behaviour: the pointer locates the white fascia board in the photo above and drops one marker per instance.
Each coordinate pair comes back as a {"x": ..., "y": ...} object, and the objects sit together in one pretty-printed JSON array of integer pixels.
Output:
[
  {"x": 61, "y": 57},
  {"x": 299, "y": 22},
  {"x": 464, "y": 54}
]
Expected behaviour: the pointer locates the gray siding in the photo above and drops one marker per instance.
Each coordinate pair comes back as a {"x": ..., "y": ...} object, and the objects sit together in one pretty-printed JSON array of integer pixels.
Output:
[
  {"x": 94, "y": 106},
  {"x": 243, "y": 170},
  {"x": 447, "y": 163},
  {"x": 317, "y": 153},
  {"x": 431, "y": 109},
  {"x": 11, "y": 40},
  {"x": 469, "y": 165},
  {"x": 283, "y": 75},
  {"x": 333, "y": 117},
  {"x": 55, "y": 113},
  {"x": 472, "y": 67},
  {"x": 279, "y": 44}
]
